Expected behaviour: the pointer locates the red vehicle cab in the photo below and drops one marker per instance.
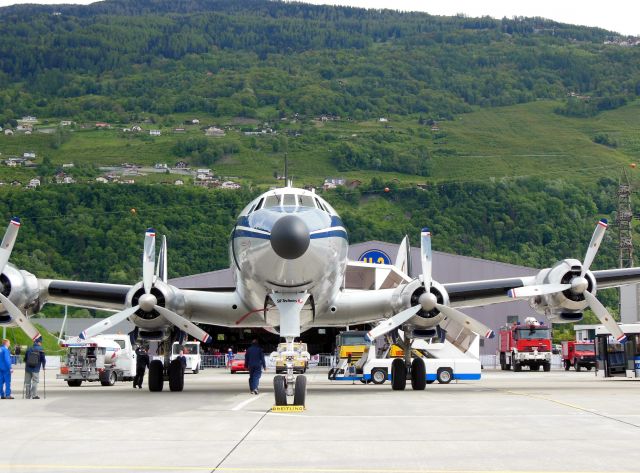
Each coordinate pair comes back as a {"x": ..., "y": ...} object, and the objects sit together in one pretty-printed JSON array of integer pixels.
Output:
[{"x": 237, "y": 364}]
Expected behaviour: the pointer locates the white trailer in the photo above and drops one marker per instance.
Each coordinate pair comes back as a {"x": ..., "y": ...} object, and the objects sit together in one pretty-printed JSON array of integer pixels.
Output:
[{"x": 104, "y": 358}]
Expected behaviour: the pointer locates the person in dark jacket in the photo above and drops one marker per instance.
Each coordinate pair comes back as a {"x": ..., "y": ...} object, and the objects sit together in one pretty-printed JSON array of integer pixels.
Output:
[
  {"x": 254, "y": 360},
  {"x": 32, "y": 370},
  {"x": 142, "y": 363},
  {"x": 5, "y": 370}
]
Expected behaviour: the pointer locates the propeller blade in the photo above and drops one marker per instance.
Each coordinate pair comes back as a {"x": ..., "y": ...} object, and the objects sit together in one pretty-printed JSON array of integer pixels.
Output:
[
  {"x": 596, "y": 239},
  {"x": 20, "y": 319},
  {"x": 605, "y": 317},
  {"x": 8, "y": 241},
  {"x": 392, "y": 322},
  {"x": 426, "y": 257},
  {"x": 537, "y": 290},
  {"x": 184, "y": 325},
  {"x": 161, "y": 268},
  {"x": 148, "y": 259},
  {"x": 466, "y": 321},
  {"x": 107, "y": 323}
]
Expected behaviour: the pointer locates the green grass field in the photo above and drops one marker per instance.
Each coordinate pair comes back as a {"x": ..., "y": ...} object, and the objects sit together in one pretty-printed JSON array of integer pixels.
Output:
[{"x": 487, "y": 144}]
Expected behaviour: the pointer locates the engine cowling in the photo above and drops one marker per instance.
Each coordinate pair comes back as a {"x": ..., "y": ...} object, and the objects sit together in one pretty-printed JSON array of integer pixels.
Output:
[
  {"x": 565, "y": 306},
  {"x": 21, "y": 287},
  {"x": 151, "y": 324},
  {"x": 409, "y": 296}
]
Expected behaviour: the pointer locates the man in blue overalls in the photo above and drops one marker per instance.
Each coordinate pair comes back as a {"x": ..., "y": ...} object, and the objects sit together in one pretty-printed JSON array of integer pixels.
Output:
[
  {"x": 254, "y": 360},
  {"x": 5, "y": 370}
]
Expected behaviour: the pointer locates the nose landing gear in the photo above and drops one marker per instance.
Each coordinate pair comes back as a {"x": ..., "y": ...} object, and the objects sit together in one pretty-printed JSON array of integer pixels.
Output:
[{"x": 290, "y": 385}]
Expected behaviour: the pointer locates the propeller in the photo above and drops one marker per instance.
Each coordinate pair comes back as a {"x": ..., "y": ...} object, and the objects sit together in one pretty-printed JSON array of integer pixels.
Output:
[
  {"x": 148, "y": 301},
  {"x": 428, "y": 301},
  {"x": 14, "y": 312},
  {"x": 579, "y": 286}
]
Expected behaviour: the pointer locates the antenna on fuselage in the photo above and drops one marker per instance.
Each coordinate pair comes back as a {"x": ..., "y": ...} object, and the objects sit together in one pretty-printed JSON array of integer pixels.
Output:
[{"x": 286, "y": 171}]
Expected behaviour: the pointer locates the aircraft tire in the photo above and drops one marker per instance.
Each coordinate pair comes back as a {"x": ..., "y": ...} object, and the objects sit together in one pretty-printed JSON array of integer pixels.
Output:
[
  {"x": 280, "y": 390},
  {"x": 418, "y": 375},
  {"x": 300, "y": 393},
  {"x": 156, "y": 376},
  {"x": 176, "y": 376},
  {"x": 398, "y": 375}
]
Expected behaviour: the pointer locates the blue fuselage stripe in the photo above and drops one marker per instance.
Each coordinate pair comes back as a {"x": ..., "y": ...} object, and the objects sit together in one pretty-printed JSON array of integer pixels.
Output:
[{"x": 247, "y": 233}]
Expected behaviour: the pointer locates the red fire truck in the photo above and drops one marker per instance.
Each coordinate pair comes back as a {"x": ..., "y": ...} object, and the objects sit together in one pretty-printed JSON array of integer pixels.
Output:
[
  {"x": 528, "y": 344},
  {"x": 578, "y": 354}
]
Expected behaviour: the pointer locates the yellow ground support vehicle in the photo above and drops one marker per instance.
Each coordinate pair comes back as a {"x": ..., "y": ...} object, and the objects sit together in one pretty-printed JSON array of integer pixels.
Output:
[
  {"x": 300, "y": 360},
  {"x": 351, "y": 344}
]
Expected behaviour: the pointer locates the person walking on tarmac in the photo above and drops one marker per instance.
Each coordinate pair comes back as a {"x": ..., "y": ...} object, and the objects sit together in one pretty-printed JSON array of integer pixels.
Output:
[
  {"x": 142, "y": 363},
  {"x": 34, "y": 359},
  {"x": 254, "y": 359},
  {"x": 5, "y": 370}
]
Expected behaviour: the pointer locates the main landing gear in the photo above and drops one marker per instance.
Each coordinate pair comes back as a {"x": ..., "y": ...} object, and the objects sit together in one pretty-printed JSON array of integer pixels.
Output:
[
  {"x": 404, "y": 368},
  {"x": 171, "y": 371}
]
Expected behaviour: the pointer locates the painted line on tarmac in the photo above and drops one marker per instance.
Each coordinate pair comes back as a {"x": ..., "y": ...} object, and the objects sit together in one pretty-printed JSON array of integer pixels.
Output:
[
  {"x": 246, "y": 402},
  {"x": 573, "y": 406},
  {"x": 263, "y": 469}
]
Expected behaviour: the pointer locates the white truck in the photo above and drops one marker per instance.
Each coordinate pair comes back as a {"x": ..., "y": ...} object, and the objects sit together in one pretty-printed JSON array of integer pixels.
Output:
[
  {"x": 191, "y": 351},
  {"x": 104, "y": 358}
]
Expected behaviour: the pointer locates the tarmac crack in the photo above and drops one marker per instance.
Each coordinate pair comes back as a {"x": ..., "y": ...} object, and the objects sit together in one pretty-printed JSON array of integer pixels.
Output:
[
  {"x": 573, "y": 406},
  {"x": 240, "y": 441}
]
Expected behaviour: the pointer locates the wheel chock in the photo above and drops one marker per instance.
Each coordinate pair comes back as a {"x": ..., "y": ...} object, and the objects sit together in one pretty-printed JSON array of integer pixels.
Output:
[{"x": 288, "y": 408}]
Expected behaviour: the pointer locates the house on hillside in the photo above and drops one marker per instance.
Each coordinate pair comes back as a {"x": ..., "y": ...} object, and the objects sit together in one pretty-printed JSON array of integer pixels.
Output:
[
  {"x": 214, "y": 131},
  {"x": 332, "y": 183},
  {"x": 33, "y": 183},
  {"x": 179, "y": 182},
  {"x": 181, "y": 165},
  {"x": 8, "y": 132},
  {"x": 101, "y": 180},
  {"x": 29, "y": 155},
  {"x": 155, "y": 132},
  {"x": 102, "y": 125}
]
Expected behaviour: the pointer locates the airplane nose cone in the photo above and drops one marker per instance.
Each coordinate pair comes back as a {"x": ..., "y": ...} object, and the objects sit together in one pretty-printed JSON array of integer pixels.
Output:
[{"x": 290, "y": 237}]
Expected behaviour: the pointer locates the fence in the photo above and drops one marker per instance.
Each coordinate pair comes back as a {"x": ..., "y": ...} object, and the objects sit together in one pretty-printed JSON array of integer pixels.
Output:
[{"x": 220, "y": 361}]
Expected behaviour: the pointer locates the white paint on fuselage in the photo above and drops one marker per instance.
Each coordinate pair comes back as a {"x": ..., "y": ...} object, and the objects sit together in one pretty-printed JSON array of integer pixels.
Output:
[{"x": 259, "y": 271}]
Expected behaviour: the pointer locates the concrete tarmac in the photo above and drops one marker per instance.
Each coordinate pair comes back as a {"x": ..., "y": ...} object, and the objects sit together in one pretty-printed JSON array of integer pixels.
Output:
[{"x": 524, "y": 422}]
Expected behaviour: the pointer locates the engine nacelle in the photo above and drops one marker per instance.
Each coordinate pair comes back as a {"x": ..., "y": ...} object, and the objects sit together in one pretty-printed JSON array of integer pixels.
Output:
[
  {"x": 409, "y": 296},
  {"x": 21, "y": 287},
  {"x": 566, "y": 306},
  {"x": 151, "y": 325}
]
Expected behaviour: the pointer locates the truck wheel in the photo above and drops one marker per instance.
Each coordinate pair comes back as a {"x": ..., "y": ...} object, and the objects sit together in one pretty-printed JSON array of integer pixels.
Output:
[
  {"x": 300, "y": 393},
  {"x": 503, "y": 363},
  {"x": 589, "y": 367},
  {"x": 567, "y": 365},
  {"x": 444, "y": 375},
  {"x": 280, "y": 390},
  {"x": 546, "y": 366},
  {"x": 109, "y": 378},
  {"x": 74, "y": 383},
  {"x": 196, "y": 370},
  {"x": 577, "y": 366},
  {"x": 378, "y": 375},
  {"x": 418, "y": 375},
  {"x": 176, "y": 376},
  {"x": 535, "y": 368},
  {"x": 517, "y": 366},
  {"x": 398, "y": 375},
  {"x": 156, "y": 376},
  {"x": 332, "y": 374}
]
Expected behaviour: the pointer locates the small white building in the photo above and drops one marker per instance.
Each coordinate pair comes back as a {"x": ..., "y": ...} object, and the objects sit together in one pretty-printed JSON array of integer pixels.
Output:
[
  {"x": 195, "y": 121},
  {"x": 203, "y": 171},
  {"x": 160, "y": 166},
  {"x": 179, "y": 182},
  {"x": 29, "y": 155},
  {"x": 33, "y": 183},
  {"x": 214, "y": 131},
  {"x": 8, "y": 132},
  {"x": 66, "y": 123},
  {"x": 230, "y": 185},
  {"x": 101, "y": 180},
  {"x": 155, "y": 132}
]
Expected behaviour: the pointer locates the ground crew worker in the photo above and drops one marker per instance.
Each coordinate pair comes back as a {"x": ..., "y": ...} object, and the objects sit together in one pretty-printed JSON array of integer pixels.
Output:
[
  {"x": 32, "y": 365},
  {"x": 254, "y": 359},
  {"x": 142, "y": 363},
  {"x": 5, "y": 370}
]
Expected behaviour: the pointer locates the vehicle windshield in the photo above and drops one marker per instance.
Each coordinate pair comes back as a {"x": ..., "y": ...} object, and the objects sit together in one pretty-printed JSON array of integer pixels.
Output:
[
  {"x": 238, "y": 356},
  {"x": 352, "y": 339},
  {"x": 190, "y": 349},
  {"x": 533, "y": 333},
  {"x": 584, "y": 347}
]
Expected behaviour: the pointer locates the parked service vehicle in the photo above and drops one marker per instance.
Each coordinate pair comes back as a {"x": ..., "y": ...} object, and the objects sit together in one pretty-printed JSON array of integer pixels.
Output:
[
  {"x": 579, "y": 354},
  {"x": 104, "y": 358},
  {"x": 237, "y": 364},
  {"x": 191, "y": 351},
  {"x": 525, "y": 345},
  {"x": 301, "y": 358}
]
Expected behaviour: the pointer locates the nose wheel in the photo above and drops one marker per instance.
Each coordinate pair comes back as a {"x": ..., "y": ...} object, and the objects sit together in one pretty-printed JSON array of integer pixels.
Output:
[{"x": 283, "y": 389}]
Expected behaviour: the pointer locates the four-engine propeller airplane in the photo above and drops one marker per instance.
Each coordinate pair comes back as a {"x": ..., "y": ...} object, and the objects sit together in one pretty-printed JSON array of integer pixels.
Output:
[{"x": 288, "y": 250}]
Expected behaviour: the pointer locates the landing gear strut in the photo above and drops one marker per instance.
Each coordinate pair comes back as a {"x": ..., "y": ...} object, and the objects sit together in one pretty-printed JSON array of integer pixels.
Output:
[
  {"x": 404, "y": 368},
  {"x": 290, "y": 385},
  {"x": 171, "y": 371}
]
